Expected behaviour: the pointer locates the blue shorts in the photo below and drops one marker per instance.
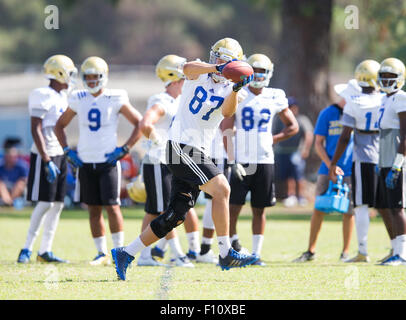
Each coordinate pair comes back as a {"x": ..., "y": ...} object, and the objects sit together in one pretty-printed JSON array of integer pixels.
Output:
[{"x": 285, "y": 168}]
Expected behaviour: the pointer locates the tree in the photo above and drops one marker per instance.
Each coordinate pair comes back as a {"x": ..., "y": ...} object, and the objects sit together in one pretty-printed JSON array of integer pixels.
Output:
[{"x": 304, "y": 50}]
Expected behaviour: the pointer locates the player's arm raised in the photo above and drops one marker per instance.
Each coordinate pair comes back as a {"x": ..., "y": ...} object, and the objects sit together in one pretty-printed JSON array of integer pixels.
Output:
[
  {"x": 291, "y": 126},
  {"x": 194, "y": 69},
  {"x": 151, "y": 116}
]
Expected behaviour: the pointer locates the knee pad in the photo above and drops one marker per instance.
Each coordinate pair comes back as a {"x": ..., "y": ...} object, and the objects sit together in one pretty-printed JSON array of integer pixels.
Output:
[{"x": 174, "y": 216}]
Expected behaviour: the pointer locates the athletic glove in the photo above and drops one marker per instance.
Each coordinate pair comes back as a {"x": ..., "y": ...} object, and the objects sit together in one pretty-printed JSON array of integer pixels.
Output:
[
  {"x": 238, "y": 170},
  {"x": 237, "y": 87},
  {"x": 117, "y": 154},
  {"x": 73, "y": 157},
  {"x": 220, "y": 67},
  {"x": 51, "y": 171},
  {"x": 394, "y": 173},
  {"x": 392, "y": 177}
]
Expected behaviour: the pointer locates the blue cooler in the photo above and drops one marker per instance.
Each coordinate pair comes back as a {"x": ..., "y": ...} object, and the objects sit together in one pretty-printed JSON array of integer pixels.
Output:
[{"x": 335, "y": 199}]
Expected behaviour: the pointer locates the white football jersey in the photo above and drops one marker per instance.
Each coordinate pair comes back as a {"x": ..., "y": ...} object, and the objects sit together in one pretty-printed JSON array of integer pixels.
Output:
[
  {"x": 156, "y": 152},
  {"x": 48, "y": 104},
  {"x": 393, "y": 105},
  {"x": 253, "y": 121},
  {"x": 366, "y": 109},
  {"x": 199, "y": 113},
  {"x": 217, "y": 146},
  {"x": 98, "y": 118},
  {"x": 389, "y": 138}
]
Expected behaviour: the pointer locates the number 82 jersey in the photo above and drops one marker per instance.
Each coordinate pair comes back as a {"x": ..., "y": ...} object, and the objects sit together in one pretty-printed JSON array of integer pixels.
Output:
[{"x": 253, "y": 121}]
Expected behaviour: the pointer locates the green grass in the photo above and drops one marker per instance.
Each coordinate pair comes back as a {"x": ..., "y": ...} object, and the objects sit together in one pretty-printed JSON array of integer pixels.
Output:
[{"x": 286, "y": 237}]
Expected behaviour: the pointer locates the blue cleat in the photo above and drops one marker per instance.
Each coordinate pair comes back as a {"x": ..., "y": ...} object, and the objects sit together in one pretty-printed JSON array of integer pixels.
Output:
[
  {"x": 49, "y": 257},
  {"x": 192, "y": 255},
  {"x": 236, "y": 260},
  {"x": 395, "y": 260},
  {"x": 259, "y": 262},
  {"x": 157, "y": 254},
  {"x": 24, "y": 256},
  {"x": 122, "y": 260}
]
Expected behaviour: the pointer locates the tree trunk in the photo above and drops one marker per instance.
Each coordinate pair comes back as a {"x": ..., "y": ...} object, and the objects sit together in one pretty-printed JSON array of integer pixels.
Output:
[{"x": 302, "y": 69}]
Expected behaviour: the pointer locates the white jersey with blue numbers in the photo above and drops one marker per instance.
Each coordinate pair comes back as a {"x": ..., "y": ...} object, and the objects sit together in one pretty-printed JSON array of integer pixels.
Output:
[
  {"x": 47, "y": 104},
  {"x": 253, "y": 121},
  {"x": 156, "y": 152},
  {"x": 199, "y": 113},
  {"x": 389, "y": 137},
  {"x": 98, "y": 118}
]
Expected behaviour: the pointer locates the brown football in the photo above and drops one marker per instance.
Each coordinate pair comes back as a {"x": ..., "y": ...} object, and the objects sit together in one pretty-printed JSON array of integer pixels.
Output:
[{"x": 237, "y": 70}]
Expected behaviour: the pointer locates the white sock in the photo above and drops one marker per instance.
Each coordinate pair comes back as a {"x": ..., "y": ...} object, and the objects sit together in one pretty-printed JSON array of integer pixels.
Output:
[
  {"x": 37, "y": 218},
  {"x": 401, "y": 244},
  {"x": 176, "y": 247},
  {"x": 162, "y": 244},
  {"x": 362, "y": 226},
  {"x": 224, "y": 245},
  {"x": 257, "y": 241},
  {"x": 101, "y": 244},
  {"x": 134, "y": 247},
  {"x": 146, "y": 253},
  {"x": 118, "y": 239},
  {"x": 207, "y": 216},
  {"x": 207, "y": 240},
  {"x": 193, "y": 240},
  {"x": 51, "y": 219},
  {"x": 393, "y": 244},
  {"x": 234, "y": 237}
]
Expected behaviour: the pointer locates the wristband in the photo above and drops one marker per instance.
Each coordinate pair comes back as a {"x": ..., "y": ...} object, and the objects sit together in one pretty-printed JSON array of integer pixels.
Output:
[
  {"x": 399, "y": 159},
  {"x": 66, "y": 149}
]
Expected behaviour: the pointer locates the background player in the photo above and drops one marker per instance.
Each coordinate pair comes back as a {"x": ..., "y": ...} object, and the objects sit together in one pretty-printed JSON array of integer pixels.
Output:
[
  {"x": 328, "y": 130},
  {"x": 392, "y": 149},
  {"x": 97, "y": 157},
  {"x": 361, "y": 115},
  {"x": 207, "y": 97},
  {"x": 254, "y": 140},
  {"x": 47, "y": 176},
  {"x": 155, "y": 124}
]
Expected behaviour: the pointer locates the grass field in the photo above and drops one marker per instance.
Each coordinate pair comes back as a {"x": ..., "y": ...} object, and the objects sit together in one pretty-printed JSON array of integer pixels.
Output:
[{"x": 285, "y": 238}]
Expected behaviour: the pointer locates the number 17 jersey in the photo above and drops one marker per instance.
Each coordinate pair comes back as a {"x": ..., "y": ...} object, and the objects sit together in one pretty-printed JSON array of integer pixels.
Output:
[{"x": 199, "y": 113}]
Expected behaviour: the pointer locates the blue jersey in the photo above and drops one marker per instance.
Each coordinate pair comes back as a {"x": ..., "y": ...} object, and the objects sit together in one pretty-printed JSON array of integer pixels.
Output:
[{"x": 328, "y": 125}]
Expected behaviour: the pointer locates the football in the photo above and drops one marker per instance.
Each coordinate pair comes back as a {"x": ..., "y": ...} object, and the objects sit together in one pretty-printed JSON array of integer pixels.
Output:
[{"x": 237, "y": 70}]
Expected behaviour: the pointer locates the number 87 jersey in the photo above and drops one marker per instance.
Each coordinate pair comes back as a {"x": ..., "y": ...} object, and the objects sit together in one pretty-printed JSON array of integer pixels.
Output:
[
  {"x": 199, "y": 113},
  {"x": 253, "y": 121}
]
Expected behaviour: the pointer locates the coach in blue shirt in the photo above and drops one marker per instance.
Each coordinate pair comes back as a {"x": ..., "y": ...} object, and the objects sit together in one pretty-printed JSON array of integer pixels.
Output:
[{"x": 327, "y": 132}]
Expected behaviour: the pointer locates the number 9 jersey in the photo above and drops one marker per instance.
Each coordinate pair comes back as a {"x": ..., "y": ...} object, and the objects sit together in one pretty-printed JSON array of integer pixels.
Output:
[
  {"x": 199, "y": 114},
  {"x": 253, "y": 121},
  {"x": 98, "y": 119}
]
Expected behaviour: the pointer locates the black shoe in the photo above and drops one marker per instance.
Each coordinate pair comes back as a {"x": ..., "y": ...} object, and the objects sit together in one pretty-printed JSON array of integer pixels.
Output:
[
  {"x": 236, "y": 245},
  {"x": 306, "y": 256}
]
